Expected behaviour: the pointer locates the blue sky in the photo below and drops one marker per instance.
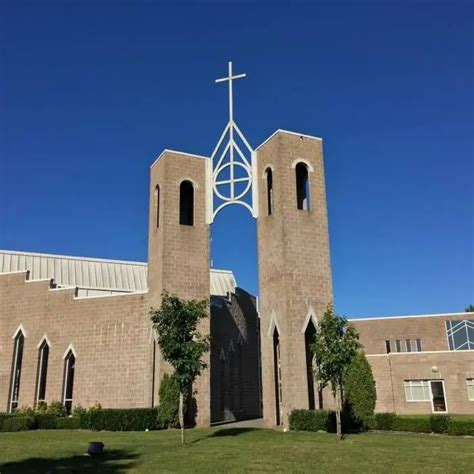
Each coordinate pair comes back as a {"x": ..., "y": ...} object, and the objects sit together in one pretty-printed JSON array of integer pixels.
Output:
[{"x": 90, "y": 94}]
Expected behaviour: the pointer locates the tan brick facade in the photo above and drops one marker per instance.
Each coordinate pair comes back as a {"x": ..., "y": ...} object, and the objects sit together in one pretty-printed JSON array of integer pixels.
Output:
[{"x": 294, "y": 267}]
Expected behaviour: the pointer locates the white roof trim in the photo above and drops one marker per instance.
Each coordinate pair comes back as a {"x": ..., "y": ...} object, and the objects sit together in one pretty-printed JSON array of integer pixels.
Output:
[
  {"x": 19, "y": 328},
  {"x": 70, "y": 348},
  {"x": 290, "y": 133},
  {"x": 120, "y": 295},
  {"x": 167, "y": 150},
  {"x": 69, "y": 257},
  {"x": 461, "y": 313}
]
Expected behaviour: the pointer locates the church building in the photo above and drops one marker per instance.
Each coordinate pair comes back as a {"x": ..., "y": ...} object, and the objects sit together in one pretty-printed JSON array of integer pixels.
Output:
[{"x": 78, "y": 330}]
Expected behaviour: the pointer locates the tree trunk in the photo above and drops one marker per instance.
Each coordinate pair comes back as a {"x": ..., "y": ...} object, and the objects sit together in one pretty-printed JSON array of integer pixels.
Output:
[
  {"x": 337, "y": 399},
  {"x": 181, "y": 416}
]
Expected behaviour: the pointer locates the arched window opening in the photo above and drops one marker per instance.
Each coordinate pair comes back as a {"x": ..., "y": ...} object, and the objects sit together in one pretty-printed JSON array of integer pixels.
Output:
[
  {"x": 186, "y": 203},
  {"x": 157, "y": 205},
  {"x": 302, "y": 187},
  {"x": 277, "y": 377},
  {"x": 309, "y": 339},
  {"x": 16, "y": 371},
  {"x": 43, "y": 358},
  {"x": 269, "y": 176},
  {"x": 69, "y": 368}
]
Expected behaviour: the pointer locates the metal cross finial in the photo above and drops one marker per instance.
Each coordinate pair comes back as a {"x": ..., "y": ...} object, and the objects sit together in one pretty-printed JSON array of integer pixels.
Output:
[{"x": 230, "y": 78}]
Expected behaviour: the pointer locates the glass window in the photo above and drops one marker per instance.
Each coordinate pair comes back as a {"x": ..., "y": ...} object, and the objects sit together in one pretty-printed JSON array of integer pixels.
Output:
[
  {"x": 16, "y": 371},
  {"x": 460, "y": 335},
  {"x": 470, "y": 389},
  {"x": 42, "y": 372},
  {"x": 408, "y": 345},
  {"x": 399, "y": 345},
  {"x": 418, "y": 345},
  {"x": 417, "y": 391},
  {"x": 387, "y": 347},
  {"x": 69, "y": 367}
]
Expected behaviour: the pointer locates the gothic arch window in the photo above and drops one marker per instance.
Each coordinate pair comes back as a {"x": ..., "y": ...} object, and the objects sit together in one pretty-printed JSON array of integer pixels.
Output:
[
  {"x": 309, "y": 339},
  {"x": 269, "y": 178},
  {"x": 302, "y": 187},
  {"x": 69, "y": 369},
  {"x": 16, "y": 370},
  {"x": 186, "y": 203},
  {"x": 157, "y": 205},
  {"x": 43, "y": 358}
]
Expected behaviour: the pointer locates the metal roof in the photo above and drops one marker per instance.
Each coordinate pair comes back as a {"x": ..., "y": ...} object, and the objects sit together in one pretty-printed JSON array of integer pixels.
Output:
[{"x": 94, "y": 275}]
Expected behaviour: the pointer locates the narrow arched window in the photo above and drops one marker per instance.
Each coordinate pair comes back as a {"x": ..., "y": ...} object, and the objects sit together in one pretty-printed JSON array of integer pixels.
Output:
[
  {"x": 16, "y": 371},
  {"x": 157, "y": 205},
  {"x": 269, "y": 176},
  {"x": 69, "y": 368},
  {"x": 302, "y": 187},
  {"x": 43, "y": 358},
  {"x": 186, "y": 203}
]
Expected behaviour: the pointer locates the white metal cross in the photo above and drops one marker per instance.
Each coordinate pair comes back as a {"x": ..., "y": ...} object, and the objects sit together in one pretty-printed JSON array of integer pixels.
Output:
[{"x": 231, "y": 78}]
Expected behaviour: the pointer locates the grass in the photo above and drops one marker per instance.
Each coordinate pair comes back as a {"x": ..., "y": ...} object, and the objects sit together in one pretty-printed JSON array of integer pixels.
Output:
[{"x": 233, "y": 450}]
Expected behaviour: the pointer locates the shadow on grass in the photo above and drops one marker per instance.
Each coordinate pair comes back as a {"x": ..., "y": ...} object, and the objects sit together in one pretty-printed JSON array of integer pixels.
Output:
[
  {"x": 226, "y": 432},
  {"x": 111, "y": 462}
]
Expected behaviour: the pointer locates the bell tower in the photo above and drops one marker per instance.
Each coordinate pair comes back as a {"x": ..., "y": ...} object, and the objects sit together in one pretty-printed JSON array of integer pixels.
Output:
[{"x": 294, "y": 268}]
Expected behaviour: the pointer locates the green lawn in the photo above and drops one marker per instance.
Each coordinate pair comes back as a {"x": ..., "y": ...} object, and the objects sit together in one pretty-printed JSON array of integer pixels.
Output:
[{"x": 234, "y": 450}]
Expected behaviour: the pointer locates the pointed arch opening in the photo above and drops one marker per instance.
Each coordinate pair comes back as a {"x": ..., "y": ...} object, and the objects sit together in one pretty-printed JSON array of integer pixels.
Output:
[
  {"x": 277, "y": 377},
  {"x": 302, "y": 187},
  {"x": 42, "y": 372},
  {"x": 309, "y": 336},
  {"x": 15, "y": 377},
  {"x": 69, "y": 369},
  {"x": 269, "y": 178},
  {"x": 186, "y": 203},
  {"x": 157, "y": 205}
]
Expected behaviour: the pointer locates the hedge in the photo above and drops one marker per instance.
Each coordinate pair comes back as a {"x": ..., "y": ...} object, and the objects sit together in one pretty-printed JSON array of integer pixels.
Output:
[
  {"x": 45, "y": 421},
  {"x": 69, "y": 423},
  {"x": 18, "y": 423},
  {"x": 112, "y": 419},
  {"x": 317, "y": 420}
]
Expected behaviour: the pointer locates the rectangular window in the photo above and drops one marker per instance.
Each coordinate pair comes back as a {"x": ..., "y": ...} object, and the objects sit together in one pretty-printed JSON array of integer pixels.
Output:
[
  {"x": 418, "y": 345},
  {"x": 387, "y": 347},
  {"x": 470, "y": 389},
  {"x": 417, "y": 391},
  {"x": 408, "y": 345},
  {"x": 399, "y": 345},
  {"x": 460, "y": 335}
]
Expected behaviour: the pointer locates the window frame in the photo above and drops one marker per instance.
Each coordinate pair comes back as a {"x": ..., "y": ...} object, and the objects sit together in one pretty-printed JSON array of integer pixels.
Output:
[
  {"x": 470, "y": 389},
  {"x": 67, "y": 402}
]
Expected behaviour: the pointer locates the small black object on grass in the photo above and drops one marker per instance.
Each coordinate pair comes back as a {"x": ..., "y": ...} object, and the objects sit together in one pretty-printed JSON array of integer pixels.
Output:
[{"x": 95, "y": 448}]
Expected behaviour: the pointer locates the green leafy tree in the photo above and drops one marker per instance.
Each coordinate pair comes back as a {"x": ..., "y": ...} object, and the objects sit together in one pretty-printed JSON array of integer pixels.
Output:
[
  {"x": 181, "y": 344},
  {"x": 335, "y": 346},
  {"x": 359, "y": 389},
  {"x": 470, "y": 309}
]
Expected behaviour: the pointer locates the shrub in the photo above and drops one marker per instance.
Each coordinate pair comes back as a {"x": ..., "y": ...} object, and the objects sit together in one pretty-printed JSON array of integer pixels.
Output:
[
  {"x": 57, "y": 409},
  {"x": 134, "y": 419},
  {"x": 384, "y": 421},
  {"x": 68, "y": 423},
  {"x": 24, "y": 411},
  {"x": 413, "y": 424},
  {"x": 169, "y": 401},
  {"x": 3, "y": 416},
  {"x": 41, "y": 407},
  {"x": 45, "y": 421},
  {"x": 18, "y": 423},
  {"x": 461, "y": 427},
  {"x": 359, "y": 390},
  {"x": 439, "y": 423},
  {"x": 310, "y": 420}
]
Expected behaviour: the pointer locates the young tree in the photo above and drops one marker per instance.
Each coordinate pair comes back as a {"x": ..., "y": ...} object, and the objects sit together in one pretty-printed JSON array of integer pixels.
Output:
[
  {"x": 180, "y": 342},
  {"x": 336, "y": 344},
  {"x": 359, "y": 389},
  {"x": 470, "y": 309}
]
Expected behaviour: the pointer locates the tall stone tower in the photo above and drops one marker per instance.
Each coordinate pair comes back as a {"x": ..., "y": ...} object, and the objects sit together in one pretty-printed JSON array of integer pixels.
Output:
[
  {"x": 178, "y": 247},
  {"x": 294, "y": 268}
]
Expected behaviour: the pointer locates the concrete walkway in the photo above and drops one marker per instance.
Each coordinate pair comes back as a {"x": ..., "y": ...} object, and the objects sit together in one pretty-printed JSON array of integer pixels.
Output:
[{"x": 257, "y": 423}]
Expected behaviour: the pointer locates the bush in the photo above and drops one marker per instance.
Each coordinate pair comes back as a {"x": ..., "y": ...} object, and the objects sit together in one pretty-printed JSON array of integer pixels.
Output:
[
  {"x": 134, "y": 419},
  {"x": 359, "y": 391},
  {"x": 310, "y": 420},
  {"x": 18, "y": 423},
  {"x": 45, "y": 421},
  {"x": 384, "y": 421},
  {"x": 24, "y": 411},
  {"x": 169, "y": 401},
  {"x": 413, "y": 424},
  {"x": 461, "y": 427},
  {"x": 439, "y": 423},
  {"x": 56, "y": 409},
  {"x": 3, "y": 416},
  {"x": 68, "y": 423}
]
